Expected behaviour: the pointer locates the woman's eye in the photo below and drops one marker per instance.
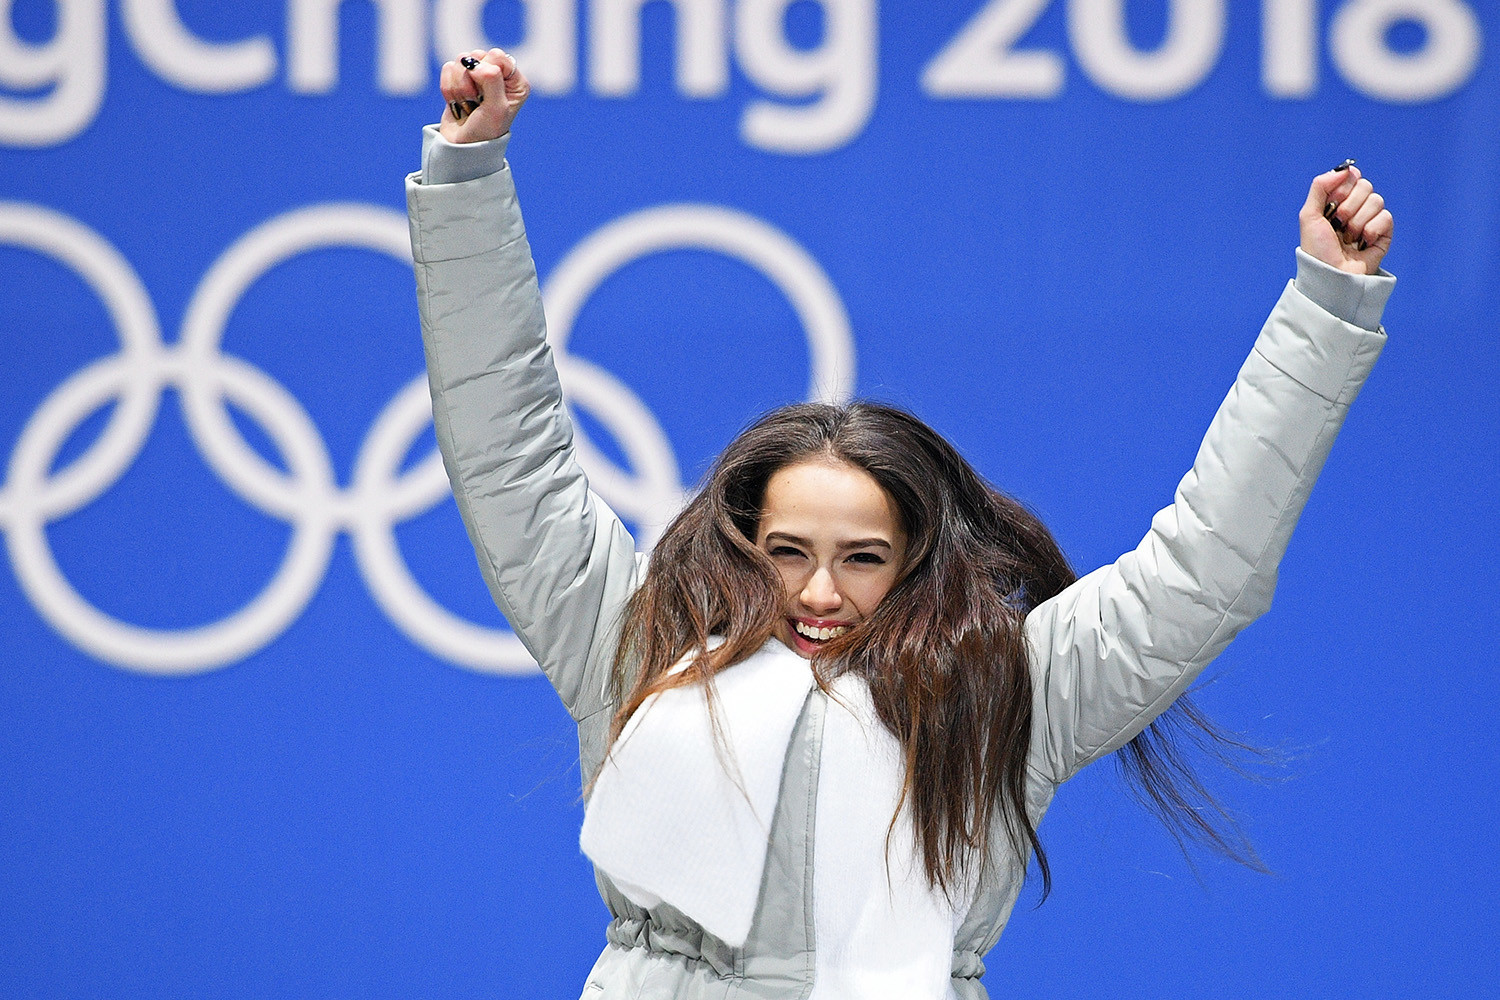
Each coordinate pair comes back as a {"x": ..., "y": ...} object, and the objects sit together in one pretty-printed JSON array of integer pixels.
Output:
[
  {"x": 868, "y": 558},
  {"x": 785, "y": 550}
]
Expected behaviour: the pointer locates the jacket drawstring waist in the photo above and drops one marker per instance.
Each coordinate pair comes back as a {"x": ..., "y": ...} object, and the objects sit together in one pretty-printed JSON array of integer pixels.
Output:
[
  {"x": 687, "y": 942},
  {"x": 967, "y": 965}
]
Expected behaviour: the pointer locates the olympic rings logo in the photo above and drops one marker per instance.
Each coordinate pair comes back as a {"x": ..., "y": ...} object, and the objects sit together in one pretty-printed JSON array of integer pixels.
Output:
[{"x": 306, "y": 495}]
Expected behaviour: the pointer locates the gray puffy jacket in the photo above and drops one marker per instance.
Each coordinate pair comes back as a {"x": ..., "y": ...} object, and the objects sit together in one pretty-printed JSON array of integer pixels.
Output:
[{"x": 1108, "y": 654}]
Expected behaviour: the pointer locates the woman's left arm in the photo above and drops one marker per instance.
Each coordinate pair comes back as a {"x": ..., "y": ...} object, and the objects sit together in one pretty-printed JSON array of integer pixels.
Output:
[{"x": 1113, "y": 651}]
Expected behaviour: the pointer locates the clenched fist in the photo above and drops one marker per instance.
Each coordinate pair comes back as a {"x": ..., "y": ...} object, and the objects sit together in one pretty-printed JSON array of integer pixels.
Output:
[
  {"x": 487, "y": 89},
  {"x": 1345, "y": 223}
]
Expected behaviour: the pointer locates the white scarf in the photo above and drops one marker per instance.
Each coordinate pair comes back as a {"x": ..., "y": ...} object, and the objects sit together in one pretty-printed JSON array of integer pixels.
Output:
[{"x": 678, "y": 817}]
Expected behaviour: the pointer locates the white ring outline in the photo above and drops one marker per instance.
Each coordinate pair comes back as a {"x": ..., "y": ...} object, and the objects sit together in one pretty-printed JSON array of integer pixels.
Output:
[
  {"x": 166, "y": 651},
  {"x": 720, "y": 230}
]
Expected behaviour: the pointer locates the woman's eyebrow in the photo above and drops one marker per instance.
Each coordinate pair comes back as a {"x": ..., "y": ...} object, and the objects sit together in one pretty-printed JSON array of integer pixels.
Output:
[
  {"x": 859, "y": 543},
  {"x": 783, "y": 536},
  {"x": 865, "y": 543}
]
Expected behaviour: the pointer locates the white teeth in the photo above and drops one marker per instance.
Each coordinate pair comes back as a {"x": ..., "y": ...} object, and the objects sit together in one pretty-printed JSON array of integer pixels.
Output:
[{"x": 819, "y": 633}]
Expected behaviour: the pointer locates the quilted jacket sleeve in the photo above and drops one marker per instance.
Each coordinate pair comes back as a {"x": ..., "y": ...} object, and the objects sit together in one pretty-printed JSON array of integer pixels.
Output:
[
  {"x": 1112, "y": 651},
  {"x": 557, "y": 561}
]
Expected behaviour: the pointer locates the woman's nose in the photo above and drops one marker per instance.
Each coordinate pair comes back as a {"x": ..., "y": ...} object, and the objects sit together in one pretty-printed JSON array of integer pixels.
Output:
[{"x": 820, "y": 595}]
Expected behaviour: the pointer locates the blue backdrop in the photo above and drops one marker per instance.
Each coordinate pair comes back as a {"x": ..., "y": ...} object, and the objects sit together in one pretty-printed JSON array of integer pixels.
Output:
[{"x": 261, "y": 733}]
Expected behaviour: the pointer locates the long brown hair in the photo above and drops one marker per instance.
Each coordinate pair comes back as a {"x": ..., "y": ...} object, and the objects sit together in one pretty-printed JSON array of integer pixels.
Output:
[{"x": 944, "y": 653}]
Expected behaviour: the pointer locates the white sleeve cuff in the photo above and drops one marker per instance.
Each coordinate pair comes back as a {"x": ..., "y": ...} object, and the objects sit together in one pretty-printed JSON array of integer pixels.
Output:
[
  {"x": 445, "y": 162},
  {"x": 1354, "y": 298}
]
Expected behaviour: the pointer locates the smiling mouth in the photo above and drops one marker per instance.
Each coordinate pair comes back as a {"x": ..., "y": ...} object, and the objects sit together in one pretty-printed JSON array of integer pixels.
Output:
[{"x": 813, "y": 633}]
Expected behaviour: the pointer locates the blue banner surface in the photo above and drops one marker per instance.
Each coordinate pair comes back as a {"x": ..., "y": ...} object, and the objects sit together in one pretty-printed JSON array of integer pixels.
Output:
[{"x": 262, "y": 732}]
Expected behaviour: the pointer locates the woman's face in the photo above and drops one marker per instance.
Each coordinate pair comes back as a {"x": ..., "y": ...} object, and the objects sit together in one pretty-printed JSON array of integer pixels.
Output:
[{"x": 836, "y": 538}]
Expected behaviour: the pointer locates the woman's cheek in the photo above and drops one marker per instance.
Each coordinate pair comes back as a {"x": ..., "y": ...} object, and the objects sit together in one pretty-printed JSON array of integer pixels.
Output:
[{"x": 871, "y": 591}]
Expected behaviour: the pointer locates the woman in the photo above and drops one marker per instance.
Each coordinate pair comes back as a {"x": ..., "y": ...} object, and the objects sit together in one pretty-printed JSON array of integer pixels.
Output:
[{"x": 860, "y": 828}]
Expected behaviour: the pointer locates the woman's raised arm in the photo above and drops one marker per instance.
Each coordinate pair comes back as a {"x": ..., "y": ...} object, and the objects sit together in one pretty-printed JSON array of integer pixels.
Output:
[
  {"x": 557, "y": 561},
  {"x": 1113, "y": 651}
]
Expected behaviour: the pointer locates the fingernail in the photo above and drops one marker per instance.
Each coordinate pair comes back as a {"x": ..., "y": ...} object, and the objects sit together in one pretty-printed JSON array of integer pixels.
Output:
[
  {"x": 1329, "y": 209},
  {"x": 1361, "y": 246},
  {"x": 1344, "y": 166},
  {"x": 469, "y": 62}
]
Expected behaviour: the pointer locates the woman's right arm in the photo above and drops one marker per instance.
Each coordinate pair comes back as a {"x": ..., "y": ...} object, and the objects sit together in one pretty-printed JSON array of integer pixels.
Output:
[{"x": 558, "y": 562}]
